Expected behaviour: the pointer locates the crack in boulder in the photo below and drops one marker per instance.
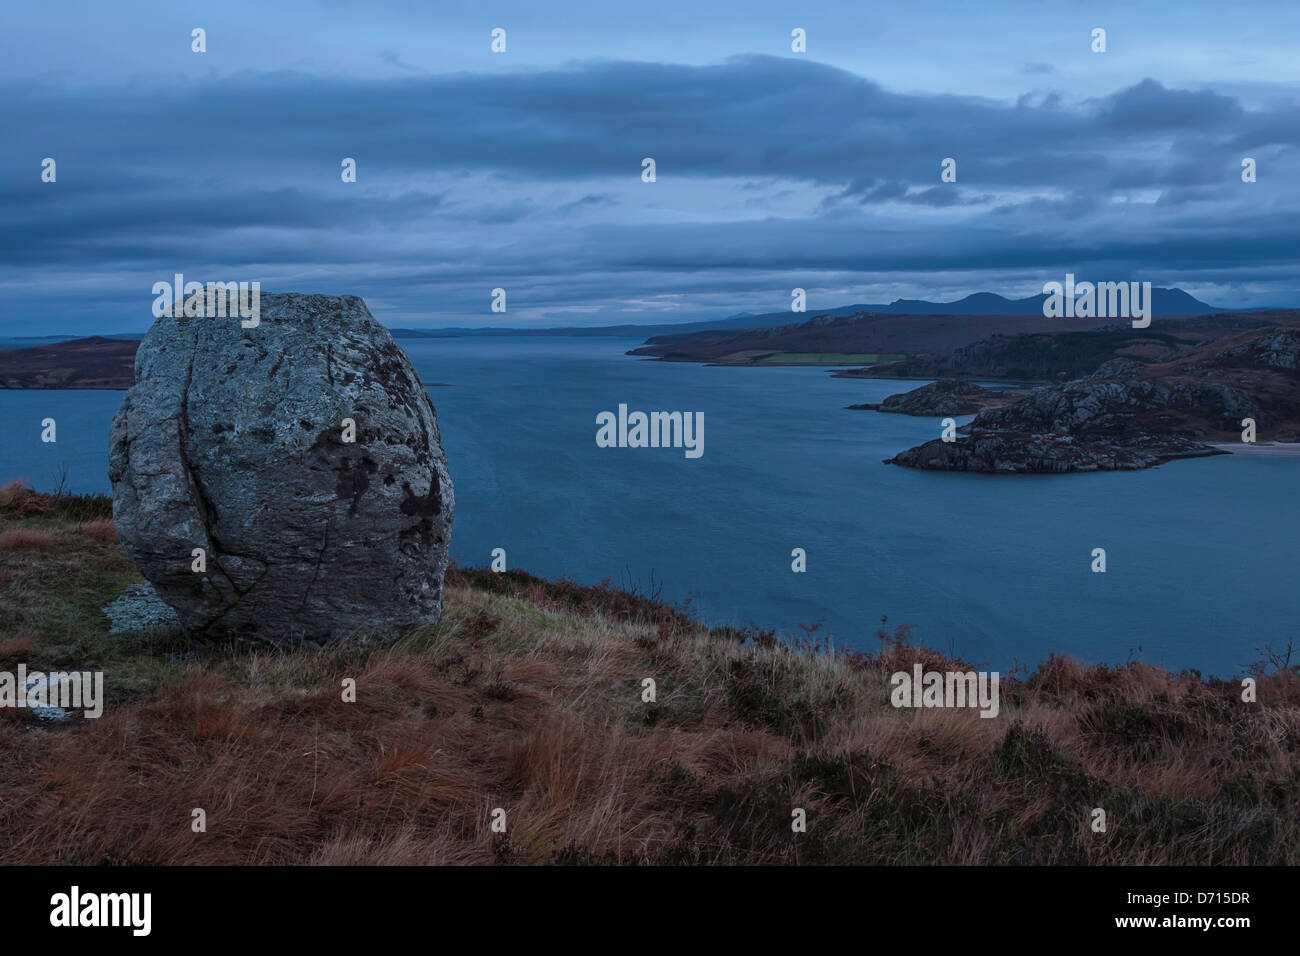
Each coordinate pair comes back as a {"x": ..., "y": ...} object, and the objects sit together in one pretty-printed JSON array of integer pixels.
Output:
[{"x": 310, "y": 548}]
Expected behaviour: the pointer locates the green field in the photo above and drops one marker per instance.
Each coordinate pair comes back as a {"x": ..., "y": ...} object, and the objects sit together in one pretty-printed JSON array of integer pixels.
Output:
[{"x": 826, "y": 358}]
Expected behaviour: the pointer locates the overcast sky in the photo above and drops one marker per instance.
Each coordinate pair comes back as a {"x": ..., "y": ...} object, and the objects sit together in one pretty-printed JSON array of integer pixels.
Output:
[{"x": 522, "y": 169}]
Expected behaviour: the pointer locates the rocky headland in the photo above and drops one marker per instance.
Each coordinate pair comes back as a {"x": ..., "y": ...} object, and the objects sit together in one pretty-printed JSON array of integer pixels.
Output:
[
  {"x": 94, "y": 362},
  {"x": 1128, "y": 414},
  {"x": 947, "y": 396}
]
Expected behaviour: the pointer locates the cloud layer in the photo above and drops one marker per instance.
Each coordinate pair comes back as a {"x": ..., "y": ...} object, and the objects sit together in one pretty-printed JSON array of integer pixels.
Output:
[{"x": 772, "y": 172}]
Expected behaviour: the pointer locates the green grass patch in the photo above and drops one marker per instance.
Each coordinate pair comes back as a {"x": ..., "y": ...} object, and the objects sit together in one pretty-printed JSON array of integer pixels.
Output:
[{"x": 827, "y": 358}]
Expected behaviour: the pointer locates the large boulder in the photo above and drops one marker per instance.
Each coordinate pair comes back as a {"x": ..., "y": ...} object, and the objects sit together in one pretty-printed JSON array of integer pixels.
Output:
[{"x": 233, "y": 440}]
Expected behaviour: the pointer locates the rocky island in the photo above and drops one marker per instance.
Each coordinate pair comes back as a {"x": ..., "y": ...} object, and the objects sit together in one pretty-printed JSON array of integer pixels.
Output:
[{"x": 1127, "y": 414}]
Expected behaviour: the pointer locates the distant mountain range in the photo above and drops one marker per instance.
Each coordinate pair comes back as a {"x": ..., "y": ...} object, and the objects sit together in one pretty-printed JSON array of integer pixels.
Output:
[{"x": 1164, "y": 302}]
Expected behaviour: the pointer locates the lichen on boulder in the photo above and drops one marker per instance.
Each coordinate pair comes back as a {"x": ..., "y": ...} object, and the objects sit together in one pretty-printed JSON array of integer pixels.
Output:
[{"x": 285, "y": 483}]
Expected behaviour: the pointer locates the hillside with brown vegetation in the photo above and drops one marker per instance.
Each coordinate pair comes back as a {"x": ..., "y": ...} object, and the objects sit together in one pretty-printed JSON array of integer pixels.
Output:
[
  {"x": 527, "y": 696},
  {"x": 866, "y": 332},
  {"x": 926, "y": 341},
  {"x": 94, "y": 362}
]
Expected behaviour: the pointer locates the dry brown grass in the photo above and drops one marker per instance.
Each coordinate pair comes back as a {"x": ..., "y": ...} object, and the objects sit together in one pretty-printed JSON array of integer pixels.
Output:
[
  {"x": 21, "y": 539},
  {"x": 101, "y": 529},
  {"x": 18, "y": 501},
  {"x": 527, "y": 697}
]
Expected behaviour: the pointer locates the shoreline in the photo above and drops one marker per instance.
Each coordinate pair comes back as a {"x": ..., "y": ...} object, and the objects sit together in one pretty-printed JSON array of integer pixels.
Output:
[
  {"x": 1262, "y": 449},
  {"x": 91, "y": 505},
  {"x": 702, "y": 776}
]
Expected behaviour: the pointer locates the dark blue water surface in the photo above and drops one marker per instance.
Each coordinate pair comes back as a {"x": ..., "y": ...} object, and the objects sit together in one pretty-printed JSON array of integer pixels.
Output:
[{"x": 1201, "y": 554}]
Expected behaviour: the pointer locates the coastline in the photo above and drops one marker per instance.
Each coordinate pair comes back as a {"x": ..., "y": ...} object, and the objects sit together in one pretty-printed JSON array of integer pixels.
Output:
[{"x": 1260, "y": 449}]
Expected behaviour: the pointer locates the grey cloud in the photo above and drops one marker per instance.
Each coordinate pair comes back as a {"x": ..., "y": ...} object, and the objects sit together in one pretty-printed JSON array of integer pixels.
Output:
[{"x": 470, "y": 179}]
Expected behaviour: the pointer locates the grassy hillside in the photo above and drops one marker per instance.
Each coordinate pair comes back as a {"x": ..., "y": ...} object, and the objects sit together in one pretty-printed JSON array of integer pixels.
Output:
[{"x": 528, "y": 697}]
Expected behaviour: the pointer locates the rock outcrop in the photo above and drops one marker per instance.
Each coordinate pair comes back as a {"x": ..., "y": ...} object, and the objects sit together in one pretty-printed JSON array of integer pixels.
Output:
[
  {"x": 948, "y": 396},
  {"x": 1091, "y": 425},
  {"x": 236, "y": 441},
  {"x": 1124, "y": 409},
  {"x": 1037, "y": 454},
  {"x": 1127, "y": 414}
]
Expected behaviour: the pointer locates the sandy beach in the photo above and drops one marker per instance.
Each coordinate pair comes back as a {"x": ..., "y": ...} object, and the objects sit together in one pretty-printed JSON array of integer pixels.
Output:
[{"x": 1271, "y": 449}]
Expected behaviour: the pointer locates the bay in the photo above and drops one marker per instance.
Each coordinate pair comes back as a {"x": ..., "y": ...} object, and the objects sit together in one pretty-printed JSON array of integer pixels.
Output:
[{"x": 1201, "y": 554}]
